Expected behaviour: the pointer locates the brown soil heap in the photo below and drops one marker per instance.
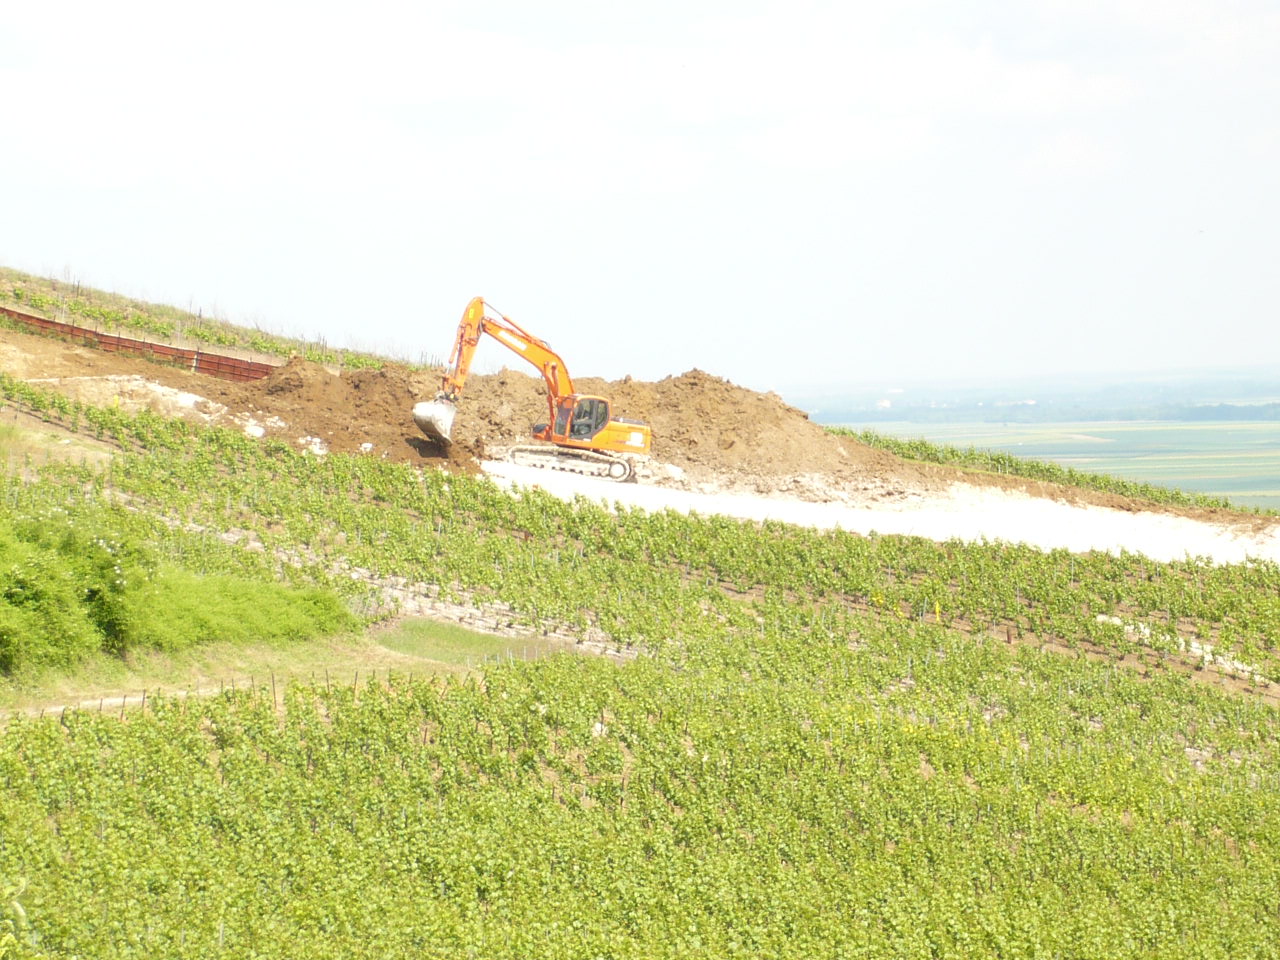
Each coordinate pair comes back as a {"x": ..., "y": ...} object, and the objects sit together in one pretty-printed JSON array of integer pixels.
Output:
[
  {"x": 711, "y": 430},
  {"x": 702, "y": 424}
]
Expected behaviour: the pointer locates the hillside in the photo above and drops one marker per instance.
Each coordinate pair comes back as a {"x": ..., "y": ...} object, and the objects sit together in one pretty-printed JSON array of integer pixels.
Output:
[
  {"x": 760, "y": 738},
  {"x": 716, "y": 435},
  {"x": 703, "y": 425}
]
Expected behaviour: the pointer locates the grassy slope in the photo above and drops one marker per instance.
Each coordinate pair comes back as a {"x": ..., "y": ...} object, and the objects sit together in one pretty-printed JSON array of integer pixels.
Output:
[
  {"x": 798, "y": 764},
  {"x": 75, "y": 303},
  {"x": 28, "y": 443},
  {"x": 410, "y": 647},
  {"x": 921, "y": 795},
  {"x": 81, "y": 584}
]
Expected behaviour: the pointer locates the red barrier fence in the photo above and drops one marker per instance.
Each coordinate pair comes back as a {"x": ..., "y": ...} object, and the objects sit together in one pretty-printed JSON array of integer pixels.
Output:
[{"x": 227, "y": 368}]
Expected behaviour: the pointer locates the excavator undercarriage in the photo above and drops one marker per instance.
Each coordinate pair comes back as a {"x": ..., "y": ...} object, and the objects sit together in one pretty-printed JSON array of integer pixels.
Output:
[
  {"x": 586, "y": 462},
  {"x": 435, "y": 419}
]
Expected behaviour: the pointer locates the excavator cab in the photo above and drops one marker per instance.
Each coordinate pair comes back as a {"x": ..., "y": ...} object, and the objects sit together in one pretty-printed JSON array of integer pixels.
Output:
[
  {"x": 581, "y": 417},
  {"x": 589, "y": 417},
  {"x": 586, "y": 423}
]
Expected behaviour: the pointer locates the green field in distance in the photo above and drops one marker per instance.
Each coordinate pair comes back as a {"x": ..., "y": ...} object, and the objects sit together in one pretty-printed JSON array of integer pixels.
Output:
[{"x": 1239, "y": 460}]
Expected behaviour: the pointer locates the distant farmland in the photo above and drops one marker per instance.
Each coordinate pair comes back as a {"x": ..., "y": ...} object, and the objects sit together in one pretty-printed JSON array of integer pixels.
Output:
[{"x": 1238, "y": 460}]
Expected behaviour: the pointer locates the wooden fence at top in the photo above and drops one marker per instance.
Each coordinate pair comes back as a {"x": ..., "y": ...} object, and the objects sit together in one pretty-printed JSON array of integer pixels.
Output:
[{"x": 215, "y": 365}]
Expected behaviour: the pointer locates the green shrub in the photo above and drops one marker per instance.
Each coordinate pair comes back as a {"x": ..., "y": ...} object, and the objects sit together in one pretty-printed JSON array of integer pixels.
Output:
[
  {"x": 43, "y": 619},
  {"x": 179, "y": 609},
  {"x": 68, "y": 591}
]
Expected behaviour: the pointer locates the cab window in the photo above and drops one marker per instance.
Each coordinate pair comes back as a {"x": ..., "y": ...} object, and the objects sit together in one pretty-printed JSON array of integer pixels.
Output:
[
  {"x": 562, "y": 419},
  {"x": 589, "y": 418}
]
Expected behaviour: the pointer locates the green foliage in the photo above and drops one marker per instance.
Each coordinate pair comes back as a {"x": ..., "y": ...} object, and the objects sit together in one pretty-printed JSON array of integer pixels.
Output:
[
  {"x": 72, "y": 583},
  {"x": 177, "y": 609},
  {"x": 48, "y": 601},
  {"x": 922, "y": 795},
  {"x": 996, "y": 461},
  {"x": 553, "y": 562},
  {"x": 149, "y": 321},
  {"x": 817, "y": 751},
  {"x": 17, "y": 940}
]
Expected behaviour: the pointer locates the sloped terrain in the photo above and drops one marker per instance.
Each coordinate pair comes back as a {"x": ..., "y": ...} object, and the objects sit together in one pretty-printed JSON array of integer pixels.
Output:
[
  {"x": 806, "y": 742},
  {"x": 707, "y": 428},
  {"x": 709, "y": 435}
]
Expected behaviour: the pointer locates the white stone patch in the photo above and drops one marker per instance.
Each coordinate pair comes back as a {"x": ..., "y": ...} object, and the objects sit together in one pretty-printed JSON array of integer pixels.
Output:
[
  {"x": 256, "y": 428},
  {"x": 133, "y": 393},
  {"x": 973, "y": 514},
  {"x": 1142, "y": 632}
]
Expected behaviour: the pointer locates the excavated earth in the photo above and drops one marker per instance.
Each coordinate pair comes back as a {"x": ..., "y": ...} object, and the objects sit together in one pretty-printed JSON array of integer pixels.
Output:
[
  {"x": 705, "y": 429},
  {"x": 708, "y": 434}
]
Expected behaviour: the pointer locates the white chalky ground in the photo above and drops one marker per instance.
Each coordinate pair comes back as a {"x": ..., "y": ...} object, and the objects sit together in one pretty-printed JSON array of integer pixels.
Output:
[{"x": 963, "y": 513}]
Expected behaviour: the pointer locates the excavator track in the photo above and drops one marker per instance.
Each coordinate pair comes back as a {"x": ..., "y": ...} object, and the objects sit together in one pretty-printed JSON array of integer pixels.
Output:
[{"x": 589, "y": 463}]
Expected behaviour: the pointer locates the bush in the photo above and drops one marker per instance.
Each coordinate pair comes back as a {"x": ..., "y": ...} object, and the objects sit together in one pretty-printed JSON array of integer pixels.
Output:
[
  {"x": 66, "y": 593},
  {"x": 178, "y": 609},
  {"x": 43, "y": 619}
]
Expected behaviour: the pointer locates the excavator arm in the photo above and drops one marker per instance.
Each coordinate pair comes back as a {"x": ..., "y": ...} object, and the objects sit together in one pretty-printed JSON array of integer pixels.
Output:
[
  {"x": 588, "y": 438},
  {"x": 435, "y": 417},
  {"x": 476, "y": 321}
]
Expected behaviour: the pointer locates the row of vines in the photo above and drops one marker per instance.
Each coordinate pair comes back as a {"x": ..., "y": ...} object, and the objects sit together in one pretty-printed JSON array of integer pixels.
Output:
[
  {"x": 83, "y": 306},
  {"x": 543, "y": 556},
  {"x": 817, "y": 752}
]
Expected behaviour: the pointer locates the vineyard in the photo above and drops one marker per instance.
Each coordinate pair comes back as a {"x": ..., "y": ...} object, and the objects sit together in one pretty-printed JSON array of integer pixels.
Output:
[
  {"x": 159, "y": 322},
  {"x": 817, "y": 744}
]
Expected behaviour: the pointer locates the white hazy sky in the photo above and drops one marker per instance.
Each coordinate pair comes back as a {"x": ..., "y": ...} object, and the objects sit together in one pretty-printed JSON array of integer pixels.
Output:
[{"x": 782, "y": 192}]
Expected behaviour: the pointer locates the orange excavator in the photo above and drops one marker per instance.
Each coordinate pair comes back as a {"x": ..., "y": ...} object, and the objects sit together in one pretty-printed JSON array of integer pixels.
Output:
[{"x": 585, "y": 438}]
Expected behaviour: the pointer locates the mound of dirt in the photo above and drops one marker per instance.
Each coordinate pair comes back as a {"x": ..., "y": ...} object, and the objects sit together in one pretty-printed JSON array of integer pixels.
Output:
[
  {"x": 708, "y": 429},
  {"x": 355, "y": 411},
  {"x": 707, "y": 432}
]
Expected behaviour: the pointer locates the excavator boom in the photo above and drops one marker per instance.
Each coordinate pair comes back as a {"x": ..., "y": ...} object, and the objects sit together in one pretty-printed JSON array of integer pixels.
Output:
[
  {"x": 435, "y": 417},
  {"x": 476, "y": 321}
]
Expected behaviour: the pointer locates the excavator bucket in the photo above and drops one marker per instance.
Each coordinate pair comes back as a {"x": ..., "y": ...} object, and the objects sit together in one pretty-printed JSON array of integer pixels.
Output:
[{"x": 435, "y": 418}]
